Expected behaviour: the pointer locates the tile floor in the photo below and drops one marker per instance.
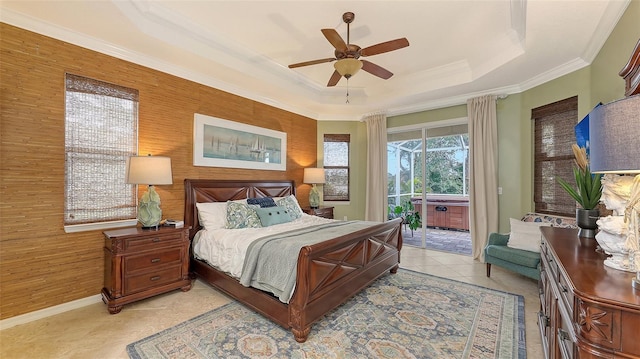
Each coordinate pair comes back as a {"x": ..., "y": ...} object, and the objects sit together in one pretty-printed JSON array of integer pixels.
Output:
[
  {"x": 90, "y": 332},
  {"x": 442, "y": 240}
]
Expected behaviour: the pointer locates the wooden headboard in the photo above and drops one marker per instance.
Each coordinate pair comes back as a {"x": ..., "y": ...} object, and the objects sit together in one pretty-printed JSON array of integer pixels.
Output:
[{"x": 204, "y": 190}]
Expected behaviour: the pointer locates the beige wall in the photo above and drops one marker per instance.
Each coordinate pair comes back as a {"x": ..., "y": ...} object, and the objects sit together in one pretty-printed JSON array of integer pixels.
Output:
[{"x": 41, "y": 265}]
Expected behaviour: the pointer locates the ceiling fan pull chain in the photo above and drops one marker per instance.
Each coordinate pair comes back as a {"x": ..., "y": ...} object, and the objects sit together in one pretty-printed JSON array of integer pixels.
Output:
[{"x": 347, "y": 90}]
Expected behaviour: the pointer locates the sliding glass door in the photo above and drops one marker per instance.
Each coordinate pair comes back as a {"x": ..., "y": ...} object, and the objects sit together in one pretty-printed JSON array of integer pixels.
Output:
[{"x": 428, "y": 169}]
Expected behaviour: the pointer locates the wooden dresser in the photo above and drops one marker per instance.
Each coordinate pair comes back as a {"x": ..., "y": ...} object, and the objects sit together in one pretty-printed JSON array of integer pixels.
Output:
[
  {"x": 141, "y": 263},
  {"x": 587, "y": 310}
]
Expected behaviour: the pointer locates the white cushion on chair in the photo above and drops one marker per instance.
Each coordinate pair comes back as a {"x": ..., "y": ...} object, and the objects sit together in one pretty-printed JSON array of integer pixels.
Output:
[{"x": 525, "y": 235}]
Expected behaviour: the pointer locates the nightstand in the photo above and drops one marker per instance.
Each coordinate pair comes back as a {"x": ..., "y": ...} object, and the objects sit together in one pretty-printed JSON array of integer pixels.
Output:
[
  {"x": 141, "y": 263},
  {"x": 322, "y": 211}
]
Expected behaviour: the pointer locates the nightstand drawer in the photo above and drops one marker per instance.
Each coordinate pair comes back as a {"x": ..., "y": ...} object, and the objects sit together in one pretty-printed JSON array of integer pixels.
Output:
[
  {"x": 152, "y": 241},
  {"x": 133, "y": 263},
  {"x": 326, "y": 212},
  {"x": 140, "y": 282}
]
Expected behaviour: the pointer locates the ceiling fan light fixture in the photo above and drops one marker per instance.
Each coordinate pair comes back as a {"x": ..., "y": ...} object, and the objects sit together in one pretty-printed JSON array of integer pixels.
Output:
[{"x": 347, "y": 67}]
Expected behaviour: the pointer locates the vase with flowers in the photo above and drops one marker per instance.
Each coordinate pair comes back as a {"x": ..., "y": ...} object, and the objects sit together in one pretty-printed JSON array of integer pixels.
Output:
[{"x": 587, "y": 192}]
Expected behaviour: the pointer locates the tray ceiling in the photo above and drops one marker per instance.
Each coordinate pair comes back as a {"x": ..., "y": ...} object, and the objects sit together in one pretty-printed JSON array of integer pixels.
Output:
[{"x": 458, "y": 49}]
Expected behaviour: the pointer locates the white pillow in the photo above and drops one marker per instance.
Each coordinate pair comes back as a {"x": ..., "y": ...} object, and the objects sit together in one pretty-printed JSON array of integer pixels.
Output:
[
  {"x": 525, "y": 235},
  {"x": 212, "y": 215}
]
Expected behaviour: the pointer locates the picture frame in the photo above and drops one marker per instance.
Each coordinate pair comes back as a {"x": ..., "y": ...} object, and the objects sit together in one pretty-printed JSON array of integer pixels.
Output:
[{"x": 222, "y": 143}]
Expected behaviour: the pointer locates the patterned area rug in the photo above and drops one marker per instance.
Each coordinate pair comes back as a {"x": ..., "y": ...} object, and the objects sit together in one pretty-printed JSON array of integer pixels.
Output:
[
  {"x": 406, "y": 315},
  {"x": 452, "y": 241}
]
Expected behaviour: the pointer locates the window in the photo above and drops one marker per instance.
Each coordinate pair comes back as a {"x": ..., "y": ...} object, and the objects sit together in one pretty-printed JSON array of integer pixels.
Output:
[
  {"x": 446, "y": 165},
  {"x": 101, "y": 132},
  {"x": 553, "y": 156},
  {"x": 336, "y": 167}
]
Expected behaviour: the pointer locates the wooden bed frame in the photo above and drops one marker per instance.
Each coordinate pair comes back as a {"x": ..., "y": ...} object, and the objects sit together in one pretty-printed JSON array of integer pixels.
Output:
[{"x": 328, "y": 273}]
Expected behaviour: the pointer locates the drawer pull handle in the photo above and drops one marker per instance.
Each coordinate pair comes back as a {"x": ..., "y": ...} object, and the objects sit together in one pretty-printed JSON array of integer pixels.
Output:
[
  {"x": 441, "y": 208},
  {"x": 546, "y": 321},
  {"x": 563, "y": 334},
  {"x": 154, "y": 278},
  {"x": 155, "y": 260},
  {"x": 155, "y": 240}
]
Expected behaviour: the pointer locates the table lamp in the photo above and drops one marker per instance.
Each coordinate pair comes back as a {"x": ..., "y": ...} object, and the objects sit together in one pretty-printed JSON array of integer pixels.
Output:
[
  {"x": 149, "y": 170},
  {"x": 314, "y": 176},
  {"x": 614, "y": 136}
]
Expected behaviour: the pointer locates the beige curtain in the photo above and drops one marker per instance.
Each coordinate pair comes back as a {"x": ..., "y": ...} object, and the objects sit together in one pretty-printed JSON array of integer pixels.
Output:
[
  {"x": 483, "y": 191},
  {"x": 376, "y": 191}
]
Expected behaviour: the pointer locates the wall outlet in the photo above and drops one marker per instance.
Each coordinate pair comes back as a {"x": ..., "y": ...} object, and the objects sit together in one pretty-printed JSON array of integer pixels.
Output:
[
  {"x": 345, "y": 218},
  {"x": 499, "y": 190}
]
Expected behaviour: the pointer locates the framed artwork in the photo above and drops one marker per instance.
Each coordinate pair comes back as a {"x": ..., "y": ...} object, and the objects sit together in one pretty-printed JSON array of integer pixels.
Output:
[{"x": 224, "y": 143}]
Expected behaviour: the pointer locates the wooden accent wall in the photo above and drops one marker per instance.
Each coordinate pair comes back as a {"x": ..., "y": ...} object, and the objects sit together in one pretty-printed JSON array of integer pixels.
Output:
[{"x": 40, "y": 264}]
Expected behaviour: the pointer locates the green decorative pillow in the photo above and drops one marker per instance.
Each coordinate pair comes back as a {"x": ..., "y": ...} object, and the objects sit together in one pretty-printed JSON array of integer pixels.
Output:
[
  {"x": 240, "y": 215},
  {"x": 273, "y": 215},
  {"x": 290, "y": 203}
]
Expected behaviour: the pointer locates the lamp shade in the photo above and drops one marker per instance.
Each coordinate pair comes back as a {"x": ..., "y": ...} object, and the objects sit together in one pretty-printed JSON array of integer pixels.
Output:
[
  {"x": 149, "y": 170},
  {"x": 348, "y": 67},
  {"x": 614, "y": 137},
  {"x": 314, "y": 175}
]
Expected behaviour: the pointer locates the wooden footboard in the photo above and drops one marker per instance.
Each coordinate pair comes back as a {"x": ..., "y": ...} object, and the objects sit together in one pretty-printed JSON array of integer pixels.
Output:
[
  {"x": 328, "y": 273},
  {"x": 331, "y": 272}
]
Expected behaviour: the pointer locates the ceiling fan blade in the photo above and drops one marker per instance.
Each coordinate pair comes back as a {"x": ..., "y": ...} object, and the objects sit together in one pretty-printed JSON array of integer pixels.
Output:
[
  {"x": 335, "y": 39},
  {"x": 313, "y": 62},
  {"x": 334, "y": 79},
  {"x": 385, "y": 47},
  {"x": 375, "y": 69}
]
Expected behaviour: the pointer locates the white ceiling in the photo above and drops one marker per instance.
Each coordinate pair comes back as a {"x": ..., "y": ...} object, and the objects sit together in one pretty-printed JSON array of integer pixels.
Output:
[{"x": 458, "y": 49}]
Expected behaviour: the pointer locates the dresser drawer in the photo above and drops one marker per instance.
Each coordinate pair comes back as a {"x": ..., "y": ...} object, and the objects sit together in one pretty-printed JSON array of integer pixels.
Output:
[
  {"x": 551, "y": 266},
  {"x": 155, "y": 259},
  {"x": 152, "y": 241},
  {"x": 566, "y": 293},
  {"x": 140, "y": 282}
]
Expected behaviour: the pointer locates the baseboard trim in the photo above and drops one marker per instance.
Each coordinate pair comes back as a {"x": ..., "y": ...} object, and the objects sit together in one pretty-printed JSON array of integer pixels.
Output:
[{"x": 47, "y": 312}]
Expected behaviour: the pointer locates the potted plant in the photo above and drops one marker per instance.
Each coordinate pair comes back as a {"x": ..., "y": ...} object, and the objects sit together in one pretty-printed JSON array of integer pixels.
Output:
[
  {"x": 587, "y": 192},
  {"x": 410, "y": 217}
]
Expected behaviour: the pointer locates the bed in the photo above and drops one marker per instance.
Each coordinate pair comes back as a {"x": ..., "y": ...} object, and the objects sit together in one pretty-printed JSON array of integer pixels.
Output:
[{"x": 327, "y": 273}]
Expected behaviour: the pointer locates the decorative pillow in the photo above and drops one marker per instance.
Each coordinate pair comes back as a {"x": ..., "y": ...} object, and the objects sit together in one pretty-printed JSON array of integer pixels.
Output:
[
  {"x": 212, "y": 215},
  {"x": 240, "y": 215},
  {"x": 262, "y": 202},
  {"x": 525, "y": 235},
  {"x": 273, "y": 215},
  {"x": 555, "y": 221},
  {"x": 290, "y": 203}
]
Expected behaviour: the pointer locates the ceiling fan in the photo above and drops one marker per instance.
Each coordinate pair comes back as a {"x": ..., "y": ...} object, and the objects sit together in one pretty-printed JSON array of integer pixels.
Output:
[{"x": 347, "y": 55}]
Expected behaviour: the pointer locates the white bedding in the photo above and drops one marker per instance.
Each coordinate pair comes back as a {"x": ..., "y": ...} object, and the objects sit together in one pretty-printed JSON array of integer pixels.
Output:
[{"x": 225, "y": 249}]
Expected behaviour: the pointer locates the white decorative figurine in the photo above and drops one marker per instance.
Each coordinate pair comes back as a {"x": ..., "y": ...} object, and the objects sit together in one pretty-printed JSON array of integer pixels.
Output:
[
  {"x": 632, "y": 219},
  {"x": 614, "y": 230}
]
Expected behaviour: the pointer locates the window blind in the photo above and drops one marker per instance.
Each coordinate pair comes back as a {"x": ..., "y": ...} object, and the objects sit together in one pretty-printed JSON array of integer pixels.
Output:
[
  {"x": 101, "y": 132},
  {"x": 553, "y": 156}
]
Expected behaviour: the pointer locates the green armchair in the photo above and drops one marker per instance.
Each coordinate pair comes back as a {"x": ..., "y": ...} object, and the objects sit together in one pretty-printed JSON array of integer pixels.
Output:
[
  {"x": 517, "y": 260},
  {"x": 520, "y": 261}
]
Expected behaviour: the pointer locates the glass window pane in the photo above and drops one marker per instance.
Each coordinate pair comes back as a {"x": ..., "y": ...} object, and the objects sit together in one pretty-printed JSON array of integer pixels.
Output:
[
  {"x": 336, "y": 165},
  {"x": 337, "y": 186},
  {"x": 336, "y": 154}
]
